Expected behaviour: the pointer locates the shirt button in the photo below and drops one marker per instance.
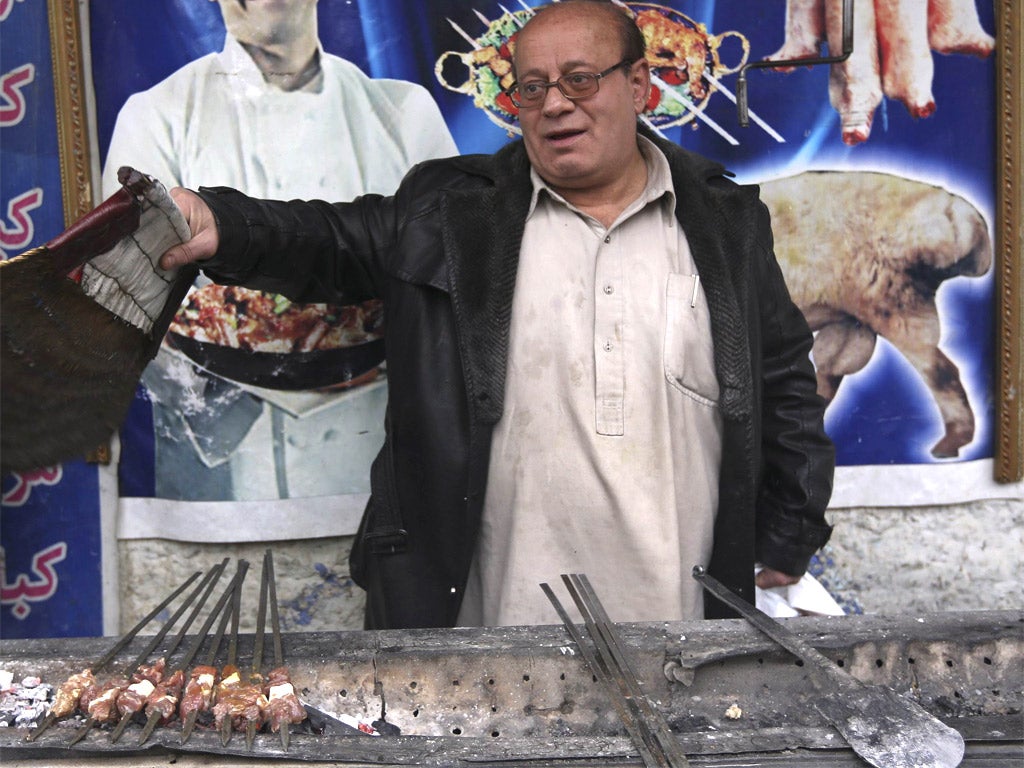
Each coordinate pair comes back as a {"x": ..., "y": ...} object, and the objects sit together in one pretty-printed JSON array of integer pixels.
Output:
[
  {"x": 607, "y": 238},
  {"x": 607, "y": 346},
  {"x": 609, "y": 290}
]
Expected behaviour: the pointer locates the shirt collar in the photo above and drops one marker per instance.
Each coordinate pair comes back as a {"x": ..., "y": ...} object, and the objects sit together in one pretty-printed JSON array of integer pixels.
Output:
[
  {"x": 236, "y": 61},
  {"x": 659, "y": 179}
]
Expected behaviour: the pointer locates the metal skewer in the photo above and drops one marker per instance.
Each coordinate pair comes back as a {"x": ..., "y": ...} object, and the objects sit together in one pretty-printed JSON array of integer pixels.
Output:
[
  {"x": 275, "y": 624},
  {"x": 209, "y": 579},
  {"x": 210, "y": 582},
  {"x": 236, "y": 608},
  {"x": 125, "y": 639},
  {"x": 601, "y": 672},
  {"x": 657, "y": 734},
  {"x": 257, "y": 652}
]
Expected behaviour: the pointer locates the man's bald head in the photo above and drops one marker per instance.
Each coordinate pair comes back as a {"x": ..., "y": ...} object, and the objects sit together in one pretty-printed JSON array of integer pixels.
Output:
[{"x": 631, "y": 38}]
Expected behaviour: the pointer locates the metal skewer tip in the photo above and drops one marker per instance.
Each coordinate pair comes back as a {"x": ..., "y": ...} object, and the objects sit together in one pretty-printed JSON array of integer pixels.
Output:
[
  {"x": 38, "y": 730},
  {"x": 82, "y": 732},
  {"x": 119, "y": 728},
  {"x": 150, "y": 726},
  {"x": 250, "y": 735},
  {"x": 225, "y": 730},
  {"x": 190, "y": 723}
]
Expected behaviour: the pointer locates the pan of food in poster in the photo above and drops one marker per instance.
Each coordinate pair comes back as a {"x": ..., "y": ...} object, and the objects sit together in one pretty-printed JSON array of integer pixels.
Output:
[
  {"x": 684, "y": 58},
  {"x": 265, "y": 340}
]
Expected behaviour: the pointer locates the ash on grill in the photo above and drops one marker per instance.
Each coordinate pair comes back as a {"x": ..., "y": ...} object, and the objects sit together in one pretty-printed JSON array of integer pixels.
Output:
[{"x": 23, "y": 704}]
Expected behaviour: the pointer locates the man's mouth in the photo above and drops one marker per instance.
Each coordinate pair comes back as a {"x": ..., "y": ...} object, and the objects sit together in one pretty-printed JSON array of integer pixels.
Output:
[{"x": 563, "y": 136}]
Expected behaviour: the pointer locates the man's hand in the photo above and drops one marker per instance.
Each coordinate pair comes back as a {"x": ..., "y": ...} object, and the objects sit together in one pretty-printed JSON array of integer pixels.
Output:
[
  {"x": 768, "y": 578},
  {"x": 205, "y": 238}
]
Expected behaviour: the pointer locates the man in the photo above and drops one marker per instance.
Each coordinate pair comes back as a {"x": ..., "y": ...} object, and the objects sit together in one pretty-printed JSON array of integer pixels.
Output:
[
  {"x": 577, "y": 382},
  {"x": 273, "y": 115}
]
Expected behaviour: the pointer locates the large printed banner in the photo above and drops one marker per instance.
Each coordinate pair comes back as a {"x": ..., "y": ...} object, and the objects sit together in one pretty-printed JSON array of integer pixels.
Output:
[
  {"x": 259, "y": 418},
  {"x": 879, "y": 171},
  {"x": 50, "y": 528}
]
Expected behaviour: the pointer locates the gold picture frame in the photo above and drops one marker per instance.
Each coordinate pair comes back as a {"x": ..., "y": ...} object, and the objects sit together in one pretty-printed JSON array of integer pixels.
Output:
[
  {"x": 75, "y": 163},
  {"x": 1009, "y": 433},
  {"x": 72, "y": 115}
]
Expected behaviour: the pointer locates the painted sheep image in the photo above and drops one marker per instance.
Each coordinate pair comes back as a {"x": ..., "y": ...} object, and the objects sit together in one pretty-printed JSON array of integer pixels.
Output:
[{"x": 864, "y": 255}]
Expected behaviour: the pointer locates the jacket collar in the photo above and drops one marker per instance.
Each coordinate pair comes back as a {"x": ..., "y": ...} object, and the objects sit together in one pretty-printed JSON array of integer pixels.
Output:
[
  {"x": 482, "y": 230},
  {"x": 716, "y": 241}
]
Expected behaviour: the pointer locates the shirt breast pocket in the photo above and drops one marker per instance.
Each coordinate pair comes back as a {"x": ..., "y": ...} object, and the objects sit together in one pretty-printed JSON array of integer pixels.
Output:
[{"x": 689, "y": 353}]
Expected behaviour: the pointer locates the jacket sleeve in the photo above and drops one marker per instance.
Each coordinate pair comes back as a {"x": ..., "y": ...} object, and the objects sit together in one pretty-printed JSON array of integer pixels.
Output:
[
  {"x": 309, "y": 251},
  {"x": 798, "y": 457}
]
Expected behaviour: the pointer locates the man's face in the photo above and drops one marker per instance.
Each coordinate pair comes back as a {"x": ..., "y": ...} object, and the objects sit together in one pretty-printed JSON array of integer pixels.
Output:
[
  {"x": 268, "y": 22},
  {"x": 583, "y": 144}
]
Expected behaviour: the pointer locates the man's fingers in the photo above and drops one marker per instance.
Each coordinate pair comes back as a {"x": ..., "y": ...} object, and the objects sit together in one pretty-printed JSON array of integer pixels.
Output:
[
  {"x": 205, "y": 237},
  {"x": 195, "y": 249},
  {"x": 769, "y": 577}
]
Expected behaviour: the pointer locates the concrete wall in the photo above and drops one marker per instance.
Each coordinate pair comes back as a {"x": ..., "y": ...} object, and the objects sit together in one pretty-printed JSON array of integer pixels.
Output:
[{"x": 880, "y": 560}]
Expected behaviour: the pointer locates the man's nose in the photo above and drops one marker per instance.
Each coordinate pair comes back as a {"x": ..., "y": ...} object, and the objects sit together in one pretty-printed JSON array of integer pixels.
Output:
[{"x": 556, "y": 102}]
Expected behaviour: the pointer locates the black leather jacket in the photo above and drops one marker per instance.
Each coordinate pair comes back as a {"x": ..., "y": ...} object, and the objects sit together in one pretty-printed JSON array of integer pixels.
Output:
[{"x": 442, "y": 253}]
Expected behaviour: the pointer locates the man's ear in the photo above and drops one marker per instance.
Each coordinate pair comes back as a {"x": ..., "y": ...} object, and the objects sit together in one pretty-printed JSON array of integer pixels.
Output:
[{"x": 640, "y": 80}]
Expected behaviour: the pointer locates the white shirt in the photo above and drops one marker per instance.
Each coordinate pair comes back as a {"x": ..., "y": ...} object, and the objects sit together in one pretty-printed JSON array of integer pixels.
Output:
[
  {"x": 606, "y": 459},
  {"x": 217, "y": 122}
]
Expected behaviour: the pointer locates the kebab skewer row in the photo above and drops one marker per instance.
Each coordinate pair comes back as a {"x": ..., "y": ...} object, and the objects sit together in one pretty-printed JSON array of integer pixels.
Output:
[
  {"x": 99, "y": 705},
  {"x": 279, "y": 704},
  {"x": 163, "y": 703},
  {"x": 135, "y": 697},
  {"x": 71, "y": 690}
]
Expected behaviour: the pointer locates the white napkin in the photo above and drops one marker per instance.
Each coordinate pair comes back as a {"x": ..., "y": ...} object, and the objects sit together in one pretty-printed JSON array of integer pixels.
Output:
[{"x": 806, "y": 597}]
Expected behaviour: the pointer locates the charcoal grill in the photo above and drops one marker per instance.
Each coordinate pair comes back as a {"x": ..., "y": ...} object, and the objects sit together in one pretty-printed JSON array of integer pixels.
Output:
[{"x": 522, "y": 695}]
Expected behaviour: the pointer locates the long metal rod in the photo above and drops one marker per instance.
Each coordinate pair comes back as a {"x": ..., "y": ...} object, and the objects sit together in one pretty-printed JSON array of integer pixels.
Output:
[
  {"x": 615, "y": 672},
  {"x": 214, "y": 576},
  {"x": 601, "y": 673},
  {"x": 257, "y": 651},
  {"x": 236, "y": 609},
  {"x": 125, "y": 639},
  {"x": 144, "y": 621},
  {"x": 275, "y": 619},
  {"x": 741, "y": 78},
  {"x": 587, "y": 600},
  {"x": 275, "y": 623},
  {"x": 261, "y": 618}
]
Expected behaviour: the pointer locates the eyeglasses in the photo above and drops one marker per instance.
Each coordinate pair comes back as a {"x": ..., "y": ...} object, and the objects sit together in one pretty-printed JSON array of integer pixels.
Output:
[{"x": 575, "y": 85}]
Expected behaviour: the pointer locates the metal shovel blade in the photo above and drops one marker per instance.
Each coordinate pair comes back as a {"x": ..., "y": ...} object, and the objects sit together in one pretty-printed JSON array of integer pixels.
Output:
[
  {"x": 884, "y": 728},
  {"x": 890, "y": 731}
]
